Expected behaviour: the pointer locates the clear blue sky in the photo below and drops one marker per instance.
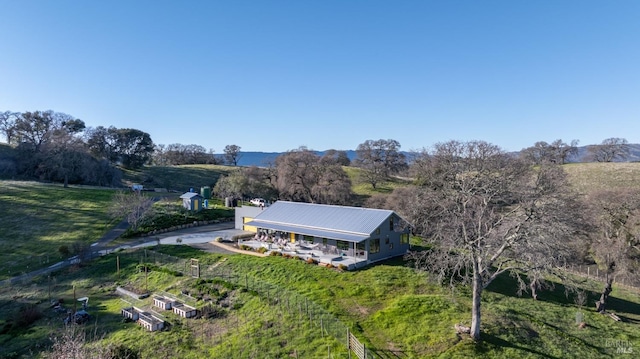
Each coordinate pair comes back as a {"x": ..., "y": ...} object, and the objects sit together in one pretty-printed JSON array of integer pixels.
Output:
[{"x": 277, "y": 75}]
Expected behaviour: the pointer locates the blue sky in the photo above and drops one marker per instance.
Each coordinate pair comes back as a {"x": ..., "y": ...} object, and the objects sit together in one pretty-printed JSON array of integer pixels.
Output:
[{"x": 277, "y": 75}]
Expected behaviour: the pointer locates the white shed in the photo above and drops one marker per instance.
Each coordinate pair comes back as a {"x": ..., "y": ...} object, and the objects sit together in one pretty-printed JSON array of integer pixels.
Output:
[{"x": 192, "y": 201}]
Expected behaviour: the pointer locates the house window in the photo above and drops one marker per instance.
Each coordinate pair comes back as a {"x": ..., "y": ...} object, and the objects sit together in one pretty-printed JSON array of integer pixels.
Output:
[
  {"x": 386, "y": 241},
  {"x": 324, "y": 241},
  {"x": 391, "y": 223},
  {"x": 342, "y": 245},
  {"x": 308, "y": 239},
  {"x": 378, "y": 231},
  {"x": 404, "y": 238},
  {"x": 374, "y": 245}
]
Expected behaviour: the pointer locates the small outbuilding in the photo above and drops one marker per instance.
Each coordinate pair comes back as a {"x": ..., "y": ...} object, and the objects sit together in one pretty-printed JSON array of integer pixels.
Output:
[
  {"x": 183, "y": 310},
  {"x": 150, "y": 322},
  {"x": 131, "y": 313},
  {"x": 162, "y": 303},
  {"x": 192, "y": 201}
]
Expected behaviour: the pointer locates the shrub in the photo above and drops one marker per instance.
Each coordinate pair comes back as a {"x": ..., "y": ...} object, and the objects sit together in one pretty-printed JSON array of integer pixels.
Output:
[
  {"x": 262, "y": 250},
  {"x": 245, "y": 247},
  {"x": 342, "y": 266},
  {"x": 242, "y": 236},
  {"x": 64, "y": 251},
  {"x": 311, "y": 261},
  {"x": 329, "y": 265},
  {"x": 152, "y": 267},
  {"x": 28, "y": 314}
]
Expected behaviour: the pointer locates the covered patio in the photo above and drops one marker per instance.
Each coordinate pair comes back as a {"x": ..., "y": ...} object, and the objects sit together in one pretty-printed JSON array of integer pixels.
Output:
[{"x": 324, "y": 254}]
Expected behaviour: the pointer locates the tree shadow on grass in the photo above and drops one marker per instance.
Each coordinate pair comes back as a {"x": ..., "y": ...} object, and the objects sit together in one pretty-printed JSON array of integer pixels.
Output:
[
  {"x": 490, "y": 340},
  {"x": 558, "y": 293}
]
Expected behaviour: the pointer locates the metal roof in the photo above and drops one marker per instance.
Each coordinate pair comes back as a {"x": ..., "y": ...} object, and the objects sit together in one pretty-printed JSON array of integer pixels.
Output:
[
  {"x": 190, "y": 195},
  {"x": 328, "y": 221}
]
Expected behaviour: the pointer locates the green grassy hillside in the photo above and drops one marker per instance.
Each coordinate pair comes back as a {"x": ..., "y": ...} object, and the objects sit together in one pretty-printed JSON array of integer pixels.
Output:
[
  {"x": 38, "y": 219},
  {"x": 177, "y": 178},
  {"x": 397, "y": 312}
]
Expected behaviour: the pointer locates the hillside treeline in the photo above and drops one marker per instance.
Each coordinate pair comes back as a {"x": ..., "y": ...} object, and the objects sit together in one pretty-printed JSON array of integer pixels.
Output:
[{"x": 55, "y": 146}]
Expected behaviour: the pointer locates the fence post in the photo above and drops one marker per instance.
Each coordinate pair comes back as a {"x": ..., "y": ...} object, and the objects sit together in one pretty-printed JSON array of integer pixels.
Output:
[{"x": 348, "y": 343}]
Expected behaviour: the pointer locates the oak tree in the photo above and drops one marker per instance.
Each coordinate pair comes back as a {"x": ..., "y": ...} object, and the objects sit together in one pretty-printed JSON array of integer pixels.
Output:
[
  {"x": 303, "y": 176},
  {"x": 379, "y": 160},
  {"x": 616, "y": 241},
  {"x": 232, "y": 154},
  {"x": 484, "y": 212},
  {"x": 610, "y": 149}
]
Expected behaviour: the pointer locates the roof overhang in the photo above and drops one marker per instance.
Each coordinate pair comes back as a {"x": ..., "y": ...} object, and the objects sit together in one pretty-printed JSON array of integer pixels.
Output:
[{"x": 316, "y": 232}]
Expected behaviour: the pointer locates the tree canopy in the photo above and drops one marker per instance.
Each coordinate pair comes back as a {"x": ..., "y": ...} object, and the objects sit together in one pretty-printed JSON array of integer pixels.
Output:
[
  {"x": 484, "y": 213},
  {"x": 379, "y": 159},
  {"x": 232, "y": 154},
  {"x": 303, "y": 176},
  {"x": 610, "y": 149}
]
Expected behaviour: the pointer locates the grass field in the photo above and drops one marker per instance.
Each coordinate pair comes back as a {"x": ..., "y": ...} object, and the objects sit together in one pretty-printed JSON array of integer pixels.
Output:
[
  {"x": 177, "y": 178},
  {"x": 37, "y": 219},
  {"x": 590, "y": 177},
  {"x": 397, "y": 312}
]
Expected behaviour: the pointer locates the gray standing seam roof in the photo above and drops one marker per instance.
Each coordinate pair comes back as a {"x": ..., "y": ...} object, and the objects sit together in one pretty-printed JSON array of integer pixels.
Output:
[
  {"x": 330, "y": 221},
  {"x": 189, "y": 195}
]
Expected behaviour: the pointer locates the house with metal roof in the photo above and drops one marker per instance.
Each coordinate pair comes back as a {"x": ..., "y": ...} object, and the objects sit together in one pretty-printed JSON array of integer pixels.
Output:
[{"x": 367, "y": 234}]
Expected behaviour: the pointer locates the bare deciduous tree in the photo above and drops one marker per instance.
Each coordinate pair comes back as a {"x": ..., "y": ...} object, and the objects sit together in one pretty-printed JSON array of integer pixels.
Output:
[
  {"x": 610, "y": 149},
  {"x": 303, "y": 176},
  {"x": 133, "y": 205},
  {"x": 7, "y": 124},
  {"x": 556, "y": 152},
  {"x": 72, "y": 343},
  {"x": 260, "y": 182},
  {"x": 485, "y": 213},
  {"x": 616, "y": 243}
]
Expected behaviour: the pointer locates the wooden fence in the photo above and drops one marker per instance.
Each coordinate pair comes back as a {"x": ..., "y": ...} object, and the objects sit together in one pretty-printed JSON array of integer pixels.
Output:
[{"x": 356, "y": 347}]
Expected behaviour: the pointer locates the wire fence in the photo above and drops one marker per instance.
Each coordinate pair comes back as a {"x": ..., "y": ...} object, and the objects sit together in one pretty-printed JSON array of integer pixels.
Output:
[
  {"x": 594, "y": 273},
  {"x": 299, "y": 311},
  {"x": 287, "y": 314}
]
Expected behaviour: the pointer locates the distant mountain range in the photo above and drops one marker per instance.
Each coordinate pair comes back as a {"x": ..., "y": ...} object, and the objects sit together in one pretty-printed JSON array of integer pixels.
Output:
[{"x": 263, "y": 159}]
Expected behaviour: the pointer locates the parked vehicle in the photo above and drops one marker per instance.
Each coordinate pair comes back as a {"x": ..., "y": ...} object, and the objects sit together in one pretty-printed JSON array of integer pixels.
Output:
[{"x": 260, "y": 202}]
